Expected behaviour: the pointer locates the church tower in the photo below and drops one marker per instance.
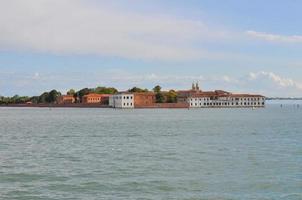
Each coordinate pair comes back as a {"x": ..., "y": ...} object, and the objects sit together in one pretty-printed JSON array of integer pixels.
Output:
[
  {"x": 197, "y": 86},
  {"x": 193, "y": 86}
]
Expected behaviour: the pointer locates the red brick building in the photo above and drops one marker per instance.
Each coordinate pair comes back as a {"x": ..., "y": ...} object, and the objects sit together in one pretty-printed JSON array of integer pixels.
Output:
[
  {"x": 144, "y": 99},
  {"x": 66, "y": 99},
  {"x": 96, "y": 98}
]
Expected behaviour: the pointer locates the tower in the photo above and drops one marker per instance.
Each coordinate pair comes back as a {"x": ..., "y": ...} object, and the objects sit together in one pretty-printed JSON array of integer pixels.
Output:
[
  {"x": 197, "y": 86},
  {"x": 193, "y": 86}
]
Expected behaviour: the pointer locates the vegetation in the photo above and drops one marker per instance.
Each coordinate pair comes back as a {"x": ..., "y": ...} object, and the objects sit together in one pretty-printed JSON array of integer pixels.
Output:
[
  {"x": 104, "y": 90},
  {"x": 71, "y": 92},
  {"x": 171, "y": 96},
  {"x": 14, "y": 100},
  {"x": 158, "y": 94},
  {"x": 49, "y": 97},
  {"x": 99, "y": 90},
  {"x": 157, "y": 89},
  {"x": 136, "y": 89}
]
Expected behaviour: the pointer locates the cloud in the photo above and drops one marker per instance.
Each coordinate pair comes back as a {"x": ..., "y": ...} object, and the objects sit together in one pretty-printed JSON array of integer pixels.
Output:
[
  {"x": 275, "y": 38},
  {"x": 279, "y": 81},
  {"x": 84, "y": 27}
]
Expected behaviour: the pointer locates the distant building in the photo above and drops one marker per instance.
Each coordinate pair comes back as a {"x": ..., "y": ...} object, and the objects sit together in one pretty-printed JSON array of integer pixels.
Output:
[
  {"x": 144, "y": 99},
  {"x": 219, "y": 98},
  {"x": 122, "y": 100},
  {"x": 93, "y": 98},
  {"x": 66, "y": 99}
]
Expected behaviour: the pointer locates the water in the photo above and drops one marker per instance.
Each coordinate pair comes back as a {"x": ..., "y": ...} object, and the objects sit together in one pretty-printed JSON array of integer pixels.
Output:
[{"x": 214, "y": 154}]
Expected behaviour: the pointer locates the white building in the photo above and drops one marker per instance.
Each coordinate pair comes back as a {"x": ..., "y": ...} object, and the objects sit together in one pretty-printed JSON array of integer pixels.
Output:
[
  {"x": 121, "y": 100},
  {"x": 223, "y": 99}
]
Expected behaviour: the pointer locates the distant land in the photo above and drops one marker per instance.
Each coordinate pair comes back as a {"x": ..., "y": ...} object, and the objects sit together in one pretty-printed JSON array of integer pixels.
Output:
[{"x": 284, "y": 98}]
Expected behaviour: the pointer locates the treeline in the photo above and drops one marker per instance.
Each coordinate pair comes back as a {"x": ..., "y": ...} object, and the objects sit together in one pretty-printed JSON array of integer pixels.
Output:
[
  {"x": 46, "y": 97},
  {"x": 51, "y": 96}
]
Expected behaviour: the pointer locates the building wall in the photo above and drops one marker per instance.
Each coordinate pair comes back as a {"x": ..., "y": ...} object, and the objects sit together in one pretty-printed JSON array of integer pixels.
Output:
[
  {"x": 144, "y": 99},
  {"x": 89, "y": 99},
  {"x": 65, "y": 99},
  {"x": 122, "y": 101},
  {"x": 96, "y": 98}
]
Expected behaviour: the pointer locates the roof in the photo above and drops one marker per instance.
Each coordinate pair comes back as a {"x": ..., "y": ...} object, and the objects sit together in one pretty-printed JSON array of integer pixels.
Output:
[
  {"x": 215, "y": 93},
  {"x": 97, "y": 95}
]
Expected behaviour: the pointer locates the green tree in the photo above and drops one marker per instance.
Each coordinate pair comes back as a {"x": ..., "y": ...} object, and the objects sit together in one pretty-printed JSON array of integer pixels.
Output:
[
  {"x": 159, "y": 97},
  {"x": 157, "y": 89},
  {"x": 52, "y": 96},
  {"x": 105, "y": 90},
  {"x": 71, "y": 92},
  {"x": 136, "y": 89},
  {"x": 43, "y": 97},
  {"x": 79, "y": 94},
  {"x": 172, "y": 96},
  {"x": 158, "y": 94}
]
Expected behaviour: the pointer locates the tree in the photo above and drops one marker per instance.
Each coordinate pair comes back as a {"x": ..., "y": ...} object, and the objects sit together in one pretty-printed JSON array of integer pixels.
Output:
[
  {"x": 52, "y": 96},
  {"x": 157, "y": 89},
  {"x": 79, "y": 94},
  {"x": 172, "y": 96},
  {"x": 159, "y": 97},
  {"x": 49, "y": 97},
  {"x": 71, "y": 92},
  {"x": 105, "y": 90},
  {"x": 43, "y": 97},
  {"x": 136, "y": 89}
]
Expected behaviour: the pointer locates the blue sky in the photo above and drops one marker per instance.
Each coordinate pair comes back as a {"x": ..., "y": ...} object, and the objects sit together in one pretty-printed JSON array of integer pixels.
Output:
[{"x": 236, "y": 45}]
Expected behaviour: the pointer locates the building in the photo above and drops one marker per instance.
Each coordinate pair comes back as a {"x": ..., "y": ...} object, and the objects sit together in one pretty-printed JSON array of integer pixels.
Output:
[
  {"x": 183, "y": 95},
  {"x": 144, "y": 99},
  {"x": 219, "y": 98},
  {"x": 225, "y": 99},
  {"x": 122, "y": 100},
  {"x": 66, "y": 99},
  {"x": 93, "y": 98}
]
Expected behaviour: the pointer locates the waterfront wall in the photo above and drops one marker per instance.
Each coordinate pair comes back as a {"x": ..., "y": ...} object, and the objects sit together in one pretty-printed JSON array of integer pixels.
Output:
[{"x": 164, "y": 105}]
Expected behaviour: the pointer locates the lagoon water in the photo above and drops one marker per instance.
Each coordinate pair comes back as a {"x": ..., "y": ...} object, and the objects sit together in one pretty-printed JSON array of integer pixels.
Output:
[{"x": 151, "y": 154}]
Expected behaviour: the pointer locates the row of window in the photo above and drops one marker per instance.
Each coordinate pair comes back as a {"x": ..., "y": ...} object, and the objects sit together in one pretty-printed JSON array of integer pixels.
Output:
[
  {"x": 94, "y": 99},
  {"x": 128, "y": 104},
  {"x": 124, "y": 97},
  {"x": 236, "y": 99},
  {"x": 229, "y": 104}
]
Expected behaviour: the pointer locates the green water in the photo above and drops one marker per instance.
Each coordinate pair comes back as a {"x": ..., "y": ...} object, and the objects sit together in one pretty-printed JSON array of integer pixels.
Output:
[{"x": 151, "y": 154}]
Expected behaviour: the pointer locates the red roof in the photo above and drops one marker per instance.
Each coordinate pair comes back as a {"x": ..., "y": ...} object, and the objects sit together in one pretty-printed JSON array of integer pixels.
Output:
[{"x": 97, "y": 95}]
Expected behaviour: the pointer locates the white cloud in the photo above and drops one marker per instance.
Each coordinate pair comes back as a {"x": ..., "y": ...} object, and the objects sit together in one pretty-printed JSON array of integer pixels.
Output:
[
  {"x": 80, "y": 27},
  {"x": 276, "y": 79},
  {"x": 274, "y": 37},
  {"x": 265, "y": 83}
]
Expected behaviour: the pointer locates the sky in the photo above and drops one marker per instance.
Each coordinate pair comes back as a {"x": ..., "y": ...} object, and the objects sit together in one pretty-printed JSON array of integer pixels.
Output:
[{"x": 234, "y": 45}]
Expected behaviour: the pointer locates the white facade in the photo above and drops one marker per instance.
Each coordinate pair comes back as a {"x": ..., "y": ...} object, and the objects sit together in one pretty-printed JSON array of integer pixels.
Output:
[
  {"x": 204, "y": 102},
  {"x": 123, "y": 100}
]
